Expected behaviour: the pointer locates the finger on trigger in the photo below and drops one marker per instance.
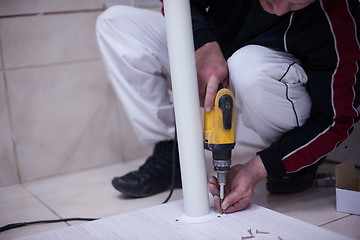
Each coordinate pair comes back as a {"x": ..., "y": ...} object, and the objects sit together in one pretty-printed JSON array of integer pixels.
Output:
[{"x": 211, "y": 90}]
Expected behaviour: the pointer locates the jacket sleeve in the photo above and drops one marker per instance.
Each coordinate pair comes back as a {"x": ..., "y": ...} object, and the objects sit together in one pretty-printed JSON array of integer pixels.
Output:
[
  {"x": 333, "y": 71},
  {"x": 202, "y": 29}
]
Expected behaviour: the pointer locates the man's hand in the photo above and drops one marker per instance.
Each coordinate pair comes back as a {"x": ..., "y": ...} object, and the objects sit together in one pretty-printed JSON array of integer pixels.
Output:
[
  {"x": 211, "y": 71},
  {"x": 239, "y": 189}
]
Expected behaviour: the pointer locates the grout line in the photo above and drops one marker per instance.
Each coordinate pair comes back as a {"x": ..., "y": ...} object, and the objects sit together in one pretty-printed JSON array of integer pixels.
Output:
[
  {"x": 53, "y": 64},
  {"x": 109, "y": 91},
  {"x": 64, "y": 174},
  {"x": 42, "y": 202},
  {"x": 52, "y": 13},
  {"x": 7, "y": 103},
  {"x": 149, "y": 5},
  {"x": 338, "y": 219}
]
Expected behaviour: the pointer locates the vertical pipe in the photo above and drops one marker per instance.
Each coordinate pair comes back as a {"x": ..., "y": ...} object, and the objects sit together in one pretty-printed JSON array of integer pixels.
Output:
[{"x": 186, "y": 104}]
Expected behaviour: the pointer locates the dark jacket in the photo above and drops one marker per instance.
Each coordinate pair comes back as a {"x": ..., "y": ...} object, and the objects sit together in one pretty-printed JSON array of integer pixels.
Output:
[{"x": 324, "y": 36}]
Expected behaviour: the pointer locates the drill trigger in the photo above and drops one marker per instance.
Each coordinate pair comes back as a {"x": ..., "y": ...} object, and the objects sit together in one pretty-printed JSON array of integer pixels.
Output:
[{"x": 226, "y": 106}]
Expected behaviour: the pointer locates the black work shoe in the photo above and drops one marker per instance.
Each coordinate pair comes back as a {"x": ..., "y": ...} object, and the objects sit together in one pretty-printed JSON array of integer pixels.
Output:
[
  {"x": 154, "y": 176},
  {"x": 293, "y": 182}
]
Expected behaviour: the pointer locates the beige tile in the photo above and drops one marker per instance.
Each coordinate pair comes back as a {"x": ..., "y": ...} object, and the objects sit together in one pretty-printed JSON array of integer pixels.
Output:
[
  {"x": 15, "y": 7},
  {"x": 1, "y": 64},
  {"x": 315, "y": 205},
  {"x": 13, "y": 192},
  {"x": 8, "y": 172},
  {"x": 48, "y": 39},
  {"x": 85, "y": 179},
  {"x": 132, "y": 148},
  {"x": 348, "y": 226},
  {"x": 90, "y": 194},
  {"x": 62, "y": 119},
  {"x": 25, "y": 208}
]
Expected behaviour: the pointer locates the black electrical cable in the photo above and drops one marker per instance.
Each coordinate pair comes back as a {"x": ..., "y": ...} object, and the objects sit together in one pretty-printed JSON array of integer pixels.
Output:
[
  {"x": 172, "y": 187},
  {"x": 22, "y": 224}
]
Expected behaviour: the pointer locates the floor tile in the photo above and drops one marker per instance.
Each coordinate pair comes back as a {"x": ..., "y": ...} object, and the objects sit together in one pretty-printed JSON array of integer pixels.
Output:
[
  {"x": 13, "y": 192},
  {"x": 316, "y": 205},
  {"x": 348, "y": 226},
  {"x": 22, "y": 207},
  {"x": 85, "y": 179},
  {"x": 91, "y": 194},
  {"x": 8, "y": 173}
]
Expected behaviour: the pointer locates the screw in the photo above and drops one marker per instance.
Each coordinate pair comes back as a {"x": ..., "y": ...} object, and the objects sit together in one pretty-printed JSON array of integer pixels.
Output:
[
  {"x": 248, "y": 237},
  {"x": 280, "y": 238},
  {"x": 250, "y": 232},
  {"x": 260, "y": 232}
]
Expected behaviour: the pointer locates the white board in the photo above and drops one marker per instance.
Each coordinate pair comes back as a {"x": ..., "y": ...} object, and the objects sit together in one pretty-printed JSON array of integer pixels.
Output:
[{"x": 162, "y": 222}]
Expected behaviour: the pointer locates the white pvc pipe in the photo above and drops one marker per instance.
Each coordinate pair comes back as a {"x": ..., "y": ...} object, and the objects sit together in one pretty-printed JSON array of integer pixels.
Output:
[{"x": 186, "y": 104}]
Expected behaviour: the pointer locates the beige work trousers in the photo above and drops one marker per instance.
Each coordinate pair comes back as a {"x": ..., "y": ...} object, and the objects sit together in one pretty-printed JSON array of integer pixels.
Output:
[{"x": 269, "y": 85}]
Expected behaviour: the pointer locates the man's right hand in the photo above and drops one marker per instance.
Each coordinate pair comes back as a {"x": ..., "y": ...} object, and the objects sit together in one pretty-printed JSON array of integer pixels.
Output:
[
  {"x": 239, "y": 190},
  {"x": 212, "y": 70}
]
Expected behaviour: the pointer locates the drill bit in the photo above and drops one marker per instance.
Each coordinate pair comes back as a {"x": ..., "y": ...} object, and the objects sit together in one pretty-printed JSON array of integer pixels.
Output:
[
  {"x": 222, "y": 186},
  {"x": 221, "y": 209}
]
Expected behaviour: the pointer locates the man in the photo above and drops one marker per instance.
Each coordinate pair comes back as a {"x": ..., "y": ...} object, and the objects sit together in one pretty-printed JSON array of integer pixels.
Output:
[{"x": 293, "y": 66}]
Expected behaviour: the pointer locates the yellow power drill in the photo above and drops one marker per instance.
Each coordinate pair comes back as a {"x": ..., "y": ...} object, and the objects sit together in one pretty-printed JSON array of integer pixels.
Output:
[{"x": 219, "y": 135}]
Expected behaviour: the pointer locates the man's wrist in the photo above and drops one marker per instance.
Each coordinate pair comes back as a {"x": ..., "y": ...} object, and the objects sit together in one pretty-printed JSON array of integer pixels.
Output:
[{"x": 258, "y": 168}]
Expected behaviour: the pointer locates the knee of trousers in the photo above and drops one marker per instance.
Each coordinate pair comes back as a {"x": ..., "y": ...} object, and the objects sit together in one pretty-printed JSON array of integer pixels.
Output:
[
  {"x": 269, "y": 88},
  {"x": 246, "y": 67},
  {"x": 246, "y": 73},
  {"x": 256, "y": 72},
  {"x": 108, "y": 15},
  {"x": 119, "y": 17}
]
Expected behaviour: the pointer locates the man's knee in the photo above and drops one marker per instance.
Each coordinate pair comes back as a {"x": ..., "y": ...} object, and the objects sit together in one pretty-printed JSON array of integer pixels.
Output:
[
  {"x": 245, "y": 72},
  {"x": 245, "y": 67},
  {"x": 116, "y": 16}
]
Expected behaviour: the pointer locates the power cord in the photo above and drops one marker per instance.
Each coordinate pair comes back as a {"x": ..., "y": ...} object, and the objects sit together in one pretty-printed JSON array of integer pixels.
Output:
[
  {"x": 172, "y": 186},
  {"x": 22, "y": 224}
]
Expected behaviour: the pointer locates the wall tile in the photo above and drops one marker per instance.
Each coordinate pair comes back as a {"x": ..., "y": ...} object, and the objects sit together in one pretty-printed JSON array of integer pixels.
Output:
[
  {"x": 17, "y": 7},
  {"x": 8, "y": 173},
  {"x": 132, "y": 148},
  {"x": 1, "y": 64},
  {"x": 64, "y": 119},
  {"x": 48, "y": 39}
]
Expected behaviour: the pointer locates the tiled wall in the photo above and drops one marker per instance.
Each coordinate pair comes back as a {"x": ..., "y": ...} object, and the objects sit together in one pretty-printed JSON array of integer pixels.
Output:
[{"x": 58, "y": 113}]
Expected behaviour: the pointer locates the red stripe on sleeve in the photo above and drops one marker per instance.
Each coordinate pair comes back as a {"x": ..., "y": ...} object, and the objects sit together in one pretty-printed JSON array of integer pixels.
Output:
[{"x": 347, "y": 48}]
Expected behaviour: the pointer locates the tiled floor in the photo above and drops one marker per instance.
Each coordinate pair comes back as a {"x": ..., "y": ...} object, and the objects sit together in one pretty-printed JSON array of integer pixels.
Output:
[{"x": 90, "y": 194}]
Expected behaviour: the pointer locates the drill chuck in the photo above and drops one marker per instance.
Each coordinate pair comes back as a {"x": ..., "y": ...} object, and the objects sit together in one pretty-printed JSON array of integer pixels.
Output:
[{"x": 221, "y": 167}]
